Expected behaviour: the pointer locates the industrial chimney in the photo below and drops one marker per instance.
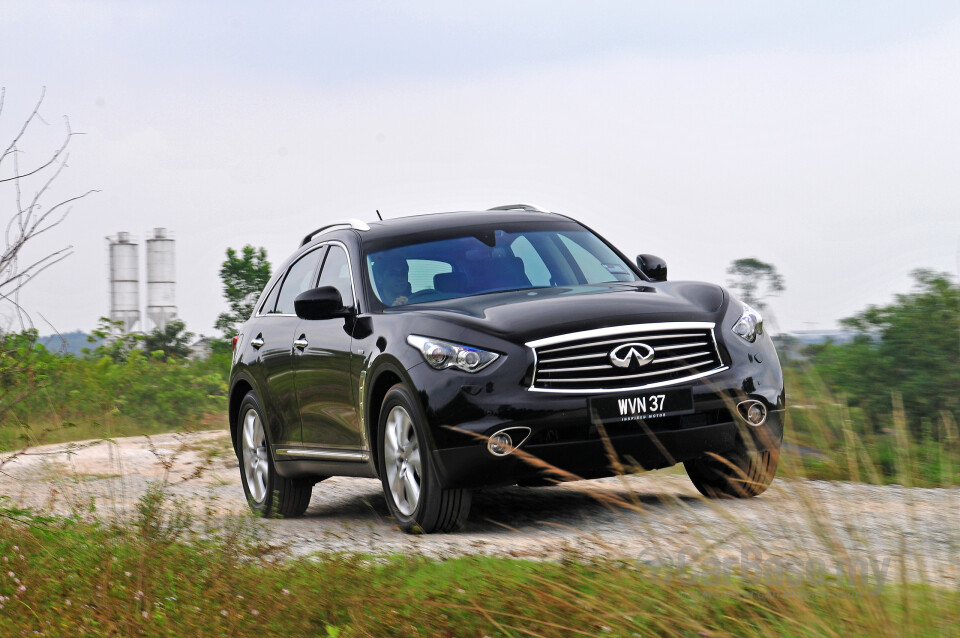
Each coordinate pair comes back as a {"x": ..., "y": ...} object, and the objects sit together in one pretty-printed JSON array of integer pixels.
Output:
[
  {"x": 124, "y": 281},
  {"x": 161, "y": 279}
]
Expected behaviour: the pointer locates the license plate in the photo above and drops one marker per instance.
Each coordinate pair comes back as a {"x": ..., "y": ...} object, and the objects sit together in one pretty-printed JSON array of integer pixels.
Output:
[{"x": 653, "y": 404}]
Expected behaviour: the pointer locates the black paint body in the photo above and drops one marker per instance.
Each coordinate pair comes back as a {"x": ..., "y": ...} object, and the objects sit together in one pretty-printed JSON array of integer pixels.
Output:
[{"x": 326, "y": 398}]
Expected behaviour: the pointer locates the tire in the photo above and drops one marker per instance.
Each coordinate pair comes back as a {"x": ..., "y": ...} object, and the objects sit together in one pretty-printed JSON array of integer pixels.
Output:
[
  {"x": 751, "y": 473},
  {"x": 268, "y": 494},
  {"x": 410, "y": 484}
]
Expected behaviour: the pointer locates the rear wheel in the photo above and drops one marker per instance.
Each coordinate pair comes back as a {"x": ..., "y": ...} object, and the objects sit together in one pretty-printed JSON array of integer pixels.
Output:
[
  {"x": 407, "y": 472},
  {"x": 743, "y": 473},
  {"x": 268, "y": 493}
]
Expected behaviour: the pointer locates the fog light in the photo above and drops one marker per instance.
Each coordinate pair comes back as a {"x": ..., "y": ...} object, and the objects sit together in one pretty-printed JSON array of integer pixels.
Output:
[
  {"x": 754, "y": 412},
  {"x": 500, "y": 444}
]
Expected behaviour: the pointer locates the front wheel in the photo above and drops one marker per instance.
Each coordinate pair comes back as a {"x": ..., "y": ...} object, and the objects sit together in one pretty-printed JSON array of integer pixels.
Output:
[
  {"x": 268, "y": 493},
  {"x": 743, "y": 473},
  {"x": 407, "y": 472}
]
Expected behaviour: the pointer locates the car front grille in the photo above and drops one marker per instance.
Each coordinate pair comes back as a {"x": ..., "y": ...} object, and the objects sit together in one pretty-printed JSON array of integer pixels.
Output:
[{"x": 582, "y": 361}]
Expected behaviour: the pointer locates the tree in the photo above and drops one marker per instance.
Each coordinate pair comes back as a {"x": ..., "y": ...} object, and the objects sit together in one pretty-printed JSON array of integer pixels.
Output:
[
  {"x": 755, "y": 280},
  {"x": 111, "y": 340},
  {"x": 243, "y": 278},
  {"x": 172, "y": 341},
  {"x": 23, "y": 189},
  {"x": 910, "y": 347},
  {"x": 30, "y": 217}
]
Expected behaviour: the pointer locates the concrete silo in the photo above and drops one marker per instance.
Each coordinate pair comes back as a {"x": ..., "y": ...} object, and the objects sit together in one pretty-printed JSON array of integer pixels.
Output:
[
  {"x": 124, "y": 281},
  {"x": 161, "y": 279}
]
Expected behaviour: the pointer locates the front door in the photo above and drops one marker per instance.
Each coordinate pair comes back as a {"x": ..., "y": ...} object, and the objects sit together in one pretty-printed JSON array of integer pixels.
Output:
[
  {"x": 328, "y": 417},
  {"x": 277, "y": 327}
]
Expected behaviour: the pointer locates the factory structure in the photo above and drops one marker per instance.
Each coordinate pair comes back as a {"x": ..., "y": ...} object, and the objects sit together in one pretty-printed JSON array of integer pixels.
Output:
[{"x": 124, "y": 276}]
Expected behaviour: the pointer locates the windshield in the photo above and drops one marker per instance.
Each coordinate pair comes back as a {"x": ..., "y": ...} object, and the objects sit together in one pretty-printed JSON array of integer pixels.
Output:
[{"x": 491, "y": 261}]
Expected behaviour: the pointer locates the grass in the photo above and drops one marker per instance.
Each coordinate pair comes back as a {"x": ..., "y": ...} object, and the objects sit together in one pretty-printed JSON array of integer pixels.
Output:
[
  {"x": 165, "y": 571},
  {"x": 851, "y": 448},
  {"x": 156, "y": 577}
]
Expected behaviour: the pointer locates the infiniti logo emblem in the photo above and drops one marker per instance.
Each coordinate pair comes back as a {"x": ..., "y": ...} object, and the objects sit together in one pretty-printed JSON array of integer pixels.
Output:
[{"x": 621, "y": 356}]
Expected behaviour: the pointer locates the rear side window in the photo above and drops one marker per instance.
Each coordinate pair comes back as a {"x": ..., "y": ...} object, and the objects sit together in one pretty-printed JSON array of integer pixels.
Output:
[{"x": 299, "y": 279}]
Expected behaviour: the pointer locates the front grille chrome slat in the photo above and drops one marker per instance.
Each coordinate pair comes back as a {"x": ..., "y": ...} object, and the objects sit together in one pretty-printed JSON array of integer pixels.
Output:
[
  {"x": 630, "y": 376},
  {"x": 582, "y": 369},
  {"x": 681, "y": 352},
  {"x": 684, "y": 345},
  {"x": 612, "y": 341}
]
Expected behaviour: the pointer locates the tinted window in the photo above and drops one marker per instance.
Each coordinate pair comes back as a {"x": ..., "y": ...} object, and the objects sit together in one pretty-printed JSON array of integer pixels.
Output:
[
  {"x": 596, "y": 265},
  {"x": 299, "y": 279},
  {"x": 423, "y": 271},
  {"x": 492, "y": 260},
  {"x": 336, "y": 273},
  {"x": 537, "y": 271}
]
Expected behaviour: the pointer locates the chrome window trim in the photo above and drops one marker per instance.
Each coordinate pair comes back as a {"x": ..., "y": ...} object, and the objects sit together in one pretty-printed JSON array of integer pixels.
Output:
[
  {"x": 281, "y": 282},
  {"x": 353, "y": 286}
]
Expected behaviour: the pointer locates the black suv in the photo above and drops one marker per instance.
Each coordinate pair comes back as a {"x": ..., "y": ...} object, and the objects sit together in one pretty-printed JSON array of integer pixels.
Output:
[{"x": 459, "y": 350}]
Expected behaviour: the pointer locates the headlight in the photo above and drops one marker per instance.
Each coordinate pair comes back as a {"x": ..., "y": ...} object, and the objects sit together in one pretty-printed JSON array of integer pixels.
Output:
[
  {"x": 749, "y": 325},
  {"x": 443, "y": 354}
]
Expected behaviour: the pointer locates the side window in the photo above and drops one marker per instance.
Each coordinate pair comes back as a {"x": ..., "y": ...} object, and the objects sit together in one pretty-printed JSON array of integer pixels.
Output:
[
  {"x": 533, "y": 265},
  {"x": 336, "y": 273},
  {"x": 422, "y": 272},
  {"x": 271, "y": 300},
  {"x": 299, "y": 279},
  {"x": 592, "y": 268}
]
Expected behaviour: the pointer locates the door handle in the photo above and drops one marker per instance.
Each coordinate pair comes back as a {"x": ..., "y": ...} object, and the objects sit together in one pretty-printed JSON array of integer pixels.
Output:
[
  {"x": 301, "y": 343},
  {"x": 257, "y": 342}
]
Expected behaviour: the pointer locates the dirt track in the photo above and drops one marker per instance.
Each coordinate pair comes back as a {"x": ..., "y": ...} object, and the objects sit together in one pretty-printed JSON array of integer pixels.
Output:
[{"x": 656, "y": 518}]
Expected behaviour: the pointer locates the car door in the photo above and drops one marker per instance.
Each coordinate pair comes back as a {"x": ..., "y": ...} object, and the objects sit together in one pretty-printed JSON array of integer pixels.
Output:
[
  {"x": 325, "y": 387},
  {"x": 275, "y": 333}
]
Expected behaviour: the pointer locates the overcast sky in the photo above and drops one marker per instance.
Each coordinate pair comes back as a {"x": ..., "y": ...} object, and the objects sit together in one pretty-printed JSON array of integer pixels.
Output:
[{"x": 822, "y": 137}]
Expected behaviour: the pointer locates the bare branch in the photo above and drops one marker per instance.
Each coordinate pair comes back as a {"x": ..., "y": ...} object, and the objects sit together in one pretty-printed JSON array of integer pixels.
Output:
[
  {"x": 52, "y": 159},
  {"x": 26, "y": 124},
  {"x": 30, "y": 218}
]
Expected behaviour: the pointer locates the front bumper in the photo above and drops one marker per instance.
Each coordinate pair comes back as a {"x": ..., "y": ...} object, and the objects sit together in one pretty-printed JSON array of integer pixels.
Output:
[
  {"x": 601, "y": 454},
  {"x": 565, "y": 443}
]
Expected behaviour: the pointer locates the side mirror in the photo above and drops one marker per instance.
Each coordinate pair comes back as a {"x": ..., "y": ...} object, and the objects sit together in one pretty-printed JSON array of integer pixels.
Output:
[
  {"x": 319, "y": 303},
  {"x": 653, "y": 267}
]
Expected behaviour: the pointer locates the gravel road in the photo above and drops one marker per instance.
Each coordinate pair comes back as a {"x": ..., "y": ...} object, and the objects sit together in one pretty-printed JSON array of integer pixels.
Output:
[{"x": 888, "y": 532}]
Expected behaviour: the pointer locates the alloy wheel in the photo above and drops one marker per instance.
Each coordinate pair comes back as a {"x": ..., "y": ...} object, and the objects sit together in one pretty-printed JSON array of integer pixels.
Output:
[
  {"x": 255, "y": 462},
  {"x": 402, "y": 460}
]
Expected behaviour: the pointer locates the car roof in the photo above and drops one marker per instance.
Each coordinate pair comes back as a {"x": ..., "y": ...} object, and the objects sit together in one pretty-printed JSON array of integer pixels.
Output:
[
  {"x": 429, "y": 223},
  {"x": 452, "y": 220}
]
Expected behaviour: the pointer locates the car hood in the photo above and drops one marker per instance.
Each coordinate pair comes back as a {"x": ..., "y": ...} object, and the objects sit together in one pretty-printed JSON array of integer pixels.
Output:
[{"x": 523, "y": 315}]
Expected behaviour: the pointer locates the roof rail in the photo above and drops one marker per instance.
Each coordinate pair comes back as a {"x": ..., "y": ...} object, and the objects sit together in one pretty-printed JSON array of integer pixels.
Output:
[
  {"x": 527, "y": 207},
  {"x": 353, "y": 223}
]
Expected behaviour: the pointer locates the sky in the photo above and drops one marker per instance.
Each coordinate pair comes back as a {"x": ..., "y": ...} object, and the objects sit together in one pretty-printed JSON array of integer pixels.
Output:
[{"x": 821, "y": 137}]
